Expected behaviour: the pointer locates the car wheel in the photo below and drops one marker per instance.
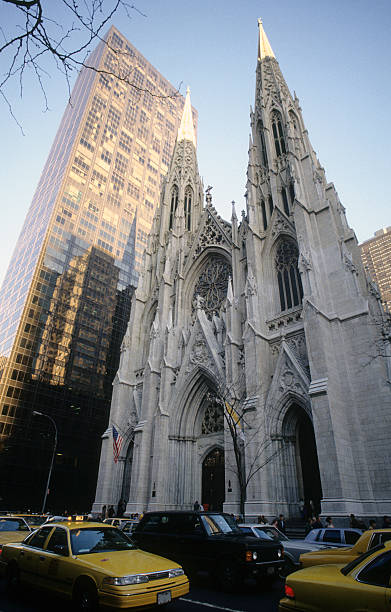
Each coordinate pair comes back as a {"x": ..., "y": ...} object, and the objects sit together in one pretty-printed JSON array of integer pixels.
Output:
[
  {"x": 12, "y": 578},
  {"x": 85, "y": 596},
  {"x": 287, "y": 568},
  {"x": 228, "y": 576}
]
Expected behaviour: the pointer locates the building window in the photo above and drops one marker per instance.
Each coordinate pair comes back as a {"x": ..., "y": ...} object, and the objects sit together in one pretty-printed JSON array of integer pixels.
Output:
[
  {"x": 187, "y": 207},
  {"x": 262, "y": 144},
  {"x": 278, "y": 134},
  {"x": 285, "y": 201},
  {"x": 288, "y": 277},
  {"x": 264, "y": 216},
  {"x": 174, "y": 204}
]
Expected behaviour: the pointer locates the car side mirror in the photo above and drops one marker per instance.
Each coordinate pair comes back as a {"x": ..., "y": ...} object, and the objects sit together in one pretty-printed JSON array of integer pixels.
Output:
[{"x": 61, "y": 549}]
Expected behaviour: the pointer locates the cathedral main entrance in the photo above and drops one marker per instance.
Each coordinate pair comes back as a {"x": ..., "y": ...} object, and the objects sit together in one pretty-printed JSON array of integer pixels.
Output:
[
  {"x": 213, "y": 481},
  {"x": 310, "y": 476}
]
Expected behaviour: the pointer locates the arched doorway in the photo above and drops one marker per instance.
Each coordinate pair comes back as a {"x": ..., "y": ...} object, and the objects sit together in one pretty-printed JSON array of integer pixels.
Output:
[
  {"x": 213, "y": 480},
  {"x": 308, "y": 465}
]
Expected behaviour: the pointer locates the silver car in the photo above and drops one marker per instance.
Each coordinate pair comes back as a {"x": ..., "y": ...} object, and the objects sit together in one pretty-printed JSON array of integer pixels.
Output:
[{"x": 292, "y": 548}]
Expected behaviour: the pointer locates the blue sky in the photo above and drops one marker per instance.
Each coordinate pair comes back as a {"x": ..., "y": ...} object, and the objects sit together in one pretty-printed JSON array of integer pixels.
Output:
[{"x": 334, "y": 54}]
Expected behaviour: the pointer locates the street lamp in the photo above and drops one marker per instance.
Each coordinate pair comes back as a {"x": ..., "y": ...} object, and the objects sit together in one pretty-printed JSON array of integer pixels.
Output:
[{"x": 36, "y": 413}]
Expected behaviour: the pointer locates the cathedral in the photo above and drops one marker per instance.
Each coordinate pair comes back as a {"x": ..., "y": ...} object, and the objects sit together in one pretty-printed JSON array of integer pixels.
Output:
[{"x": 256, "y": 367}]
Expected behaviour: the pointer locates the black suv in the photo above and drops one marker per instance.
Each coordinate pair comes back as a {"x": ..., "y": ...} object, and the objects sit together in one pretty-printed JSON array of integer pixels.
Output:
[{"x": 212, "y": 542}]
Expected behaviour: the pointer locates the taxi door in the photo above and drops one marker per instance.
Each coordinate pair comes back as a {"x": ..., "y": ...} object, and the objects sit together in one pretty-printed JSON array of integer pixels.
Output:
[
  {"x": 28, "y": 558},
  {"x": 55, "y": 563},
  {"x": 372, "y": 591}
]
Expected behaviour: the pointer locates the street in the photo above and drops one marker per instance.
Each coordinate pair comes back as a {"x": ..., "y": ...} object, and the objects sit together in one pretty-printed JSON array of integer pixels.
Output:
[{"x": 202, "y": 596}]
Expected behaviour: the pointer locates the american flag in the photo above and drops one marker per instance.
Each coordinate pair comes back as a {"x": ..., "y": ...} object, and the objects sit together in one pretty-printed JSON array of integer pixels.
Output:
[{"x": 117, "y": 443}]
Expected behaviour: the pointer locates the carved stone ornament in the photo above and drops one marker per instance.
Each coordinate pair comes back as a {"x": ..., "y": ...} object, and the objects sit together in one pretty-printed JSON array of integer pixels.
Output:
[
  {"x": 280, "y": 225},
  {"x": 289, "y": 381},
  {"x": 210, "y": 236},
  {"x": 200, "y": 354},
  {"x": 251, "y": 284}
]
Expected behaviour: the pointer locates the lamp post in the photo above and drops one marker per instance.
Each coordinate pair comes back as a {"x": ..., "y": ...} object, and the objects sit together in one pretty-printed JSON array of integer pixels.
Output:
[{"x": 36, "y": 413}]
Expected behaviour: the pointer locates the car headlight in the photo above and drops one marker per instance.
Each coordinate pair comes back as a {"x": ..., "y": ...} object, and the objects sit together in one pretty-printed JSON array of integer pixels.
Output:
[
  {"x": 176, "y": 572},
  {"x": 251, "y": 555},
  {"x": 280, "y": 554},
  {"x": 125, "y": 580}
]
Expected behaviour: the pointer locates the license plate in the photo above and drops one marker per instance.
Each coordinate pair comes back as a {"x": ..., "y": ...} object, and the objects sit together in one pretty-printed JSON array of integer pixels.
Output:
[{"x": 163, "y": 598}]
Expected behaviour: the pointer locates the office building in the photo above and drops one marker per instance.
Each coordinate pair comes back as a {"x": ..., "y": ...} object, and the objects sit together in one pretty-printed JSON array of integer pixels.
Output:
[
  {"x": 376, "y": 256},
  {"x": 65, "y": 300}
]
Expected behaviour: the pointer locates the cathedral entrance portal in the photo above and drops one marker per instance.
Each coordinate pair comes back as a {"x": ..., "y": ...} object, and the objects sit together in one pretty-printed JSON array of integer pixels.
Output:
[
  {"x": 213, "y": 481},
  {"x": 310, "y": 487}
]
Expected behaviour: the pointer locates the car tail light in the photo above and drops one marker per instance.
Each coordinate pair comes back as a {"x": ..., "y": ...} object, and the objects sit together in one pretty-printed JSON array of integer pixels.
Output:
[
  {"x": 289, "y": 592},
  {"x": 1, "y": 549}
]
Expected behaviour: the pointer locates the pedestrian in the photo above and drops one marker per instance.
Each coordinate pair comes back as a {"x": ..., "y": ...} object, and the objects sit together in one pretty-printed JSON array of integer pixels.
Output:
[
  {"x": 309, "y": 525},
  {"x": 281, "y": 523},
  {"x": 110, "y": 512},
  {"x": 196, "y": 506},
  {"x": 329, "y": 522},
  {"x": 354, "y": 522},
  {"x": 372, "y": 524},
  {"x": 103, "y": 514},
  {"x": 261, "y": 520},
  {"x": 301, "y": 508},
  {"x": 275, "y": 522},
  {"x": 386, "y": 522},
  {"x": 317, "y": 523},
  {"x": 121, "y": 507}
]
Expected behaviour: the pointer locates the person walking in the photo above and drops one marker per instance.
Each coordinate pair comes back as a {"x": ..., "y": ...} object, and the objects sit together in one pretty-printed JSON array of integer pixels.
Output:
[{"x": 281, "y": 523}]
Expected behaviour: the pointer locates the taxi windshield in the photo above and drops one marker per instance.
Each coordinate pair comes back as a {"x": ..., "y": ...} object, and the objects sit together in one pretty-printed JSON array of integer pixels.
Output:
[
  {"x": 13, "y": 524},
  {"x": 99, "y": 539}
]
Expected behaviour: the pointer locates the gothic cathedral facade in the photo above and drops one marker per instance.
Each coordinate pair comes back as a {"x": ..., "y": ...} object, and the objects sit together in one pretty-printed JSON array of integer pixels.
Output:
[{"x": 260, "y": 340}]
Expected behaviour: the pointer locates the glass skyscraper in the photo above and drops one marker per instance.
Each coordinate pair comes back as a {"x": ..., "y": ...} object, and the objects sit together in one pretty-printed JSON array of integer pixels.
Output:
[{"x": 65, "y": 300}]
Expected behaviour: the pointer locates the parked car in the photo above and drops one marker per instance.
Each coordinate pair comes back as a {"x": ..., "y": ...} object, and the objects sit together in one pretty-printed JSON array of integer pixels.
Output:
[
  {"x": 211, "y": 542},
  {"x": 117, "y": 522},
  {"x": 92, "y": 563},
  {"x": 334, "y": 536},
  {"x": 13, "y": 529},
  {"x": 362, "y": 584},
  {"x": 367, "y": 541},
  {"x": 33, "y": 520},
  {"x": 292, "y": 548}
]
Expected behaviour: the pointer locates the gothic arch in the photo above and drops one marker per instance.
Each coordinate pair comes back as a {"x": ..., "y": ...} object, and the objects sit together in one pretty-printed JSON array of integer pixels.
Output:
[
  {"x": 188, "y": 401},
  {"x": 279, "y": 424}
]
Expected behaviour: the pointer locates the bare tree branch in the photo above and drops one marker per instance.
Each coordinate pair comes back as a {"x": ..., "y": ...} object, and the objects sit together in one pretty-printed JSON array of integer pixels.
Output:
[{"x": 36, "y": 37}]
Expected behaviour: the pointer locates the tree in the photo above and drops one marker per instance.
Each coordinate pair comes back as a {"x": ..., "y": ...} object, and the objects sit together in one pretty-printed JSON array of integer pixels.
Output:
[
  {"x": 42, "y": 35},
  {"x": 233, "y": 401}
]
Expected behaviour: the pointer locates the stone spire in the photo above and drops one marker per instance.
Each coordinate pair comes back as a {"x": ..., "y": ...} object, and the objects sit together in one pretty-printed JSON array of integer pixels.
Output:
[
  {"x": 186, "y": 129},
  {"x": 264, "y": 48}
]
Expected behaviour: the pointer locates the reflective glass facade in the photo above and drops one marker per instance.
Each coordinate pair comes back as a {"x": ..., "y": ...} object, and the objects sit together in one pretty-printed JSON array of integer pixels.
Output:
[{"x": 65, "y": 300}]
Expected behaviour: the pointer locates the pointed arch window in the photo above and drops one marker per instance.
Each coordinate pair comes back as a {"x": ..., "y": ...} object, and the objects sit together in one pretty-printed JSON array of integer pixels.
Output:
[
  {"x": 187, "y": 207},
  {"x": 285, "y": 202},
  {"x": 271, "y": 205},
  {"x": 173, "y": 206},
  {"x": 262, "y": 143},
  {"x": 288, "y": 276},
  {"x": 264, "y": 216},
  {"x": 278, "y": 134}
]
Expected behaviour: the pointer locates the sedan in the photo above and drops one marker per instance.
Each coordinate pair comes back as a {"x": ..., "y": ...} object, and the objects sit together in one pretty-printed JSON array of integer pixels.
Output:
[
  {"x": 363, "y": 584},
  {"x": 292, "y": 548},
  {"x": 92, "y": 563},
  {"x": 334, "y": 536},
  {"x": 12, "y": 529},
  {"x": 369, "y": 539}
]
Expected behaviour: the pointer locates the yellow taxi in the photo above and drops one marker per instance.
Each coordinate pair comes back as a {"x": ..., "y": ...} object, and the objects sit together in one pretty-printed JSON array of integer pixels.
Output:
[
  {"x": 362, "y": 584},
  {"x": 33, "y": 520},
  {"x": 92, "y": 563},
  {"x": 368, "y": 540},
  {"x": 12, "y": 529}
]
